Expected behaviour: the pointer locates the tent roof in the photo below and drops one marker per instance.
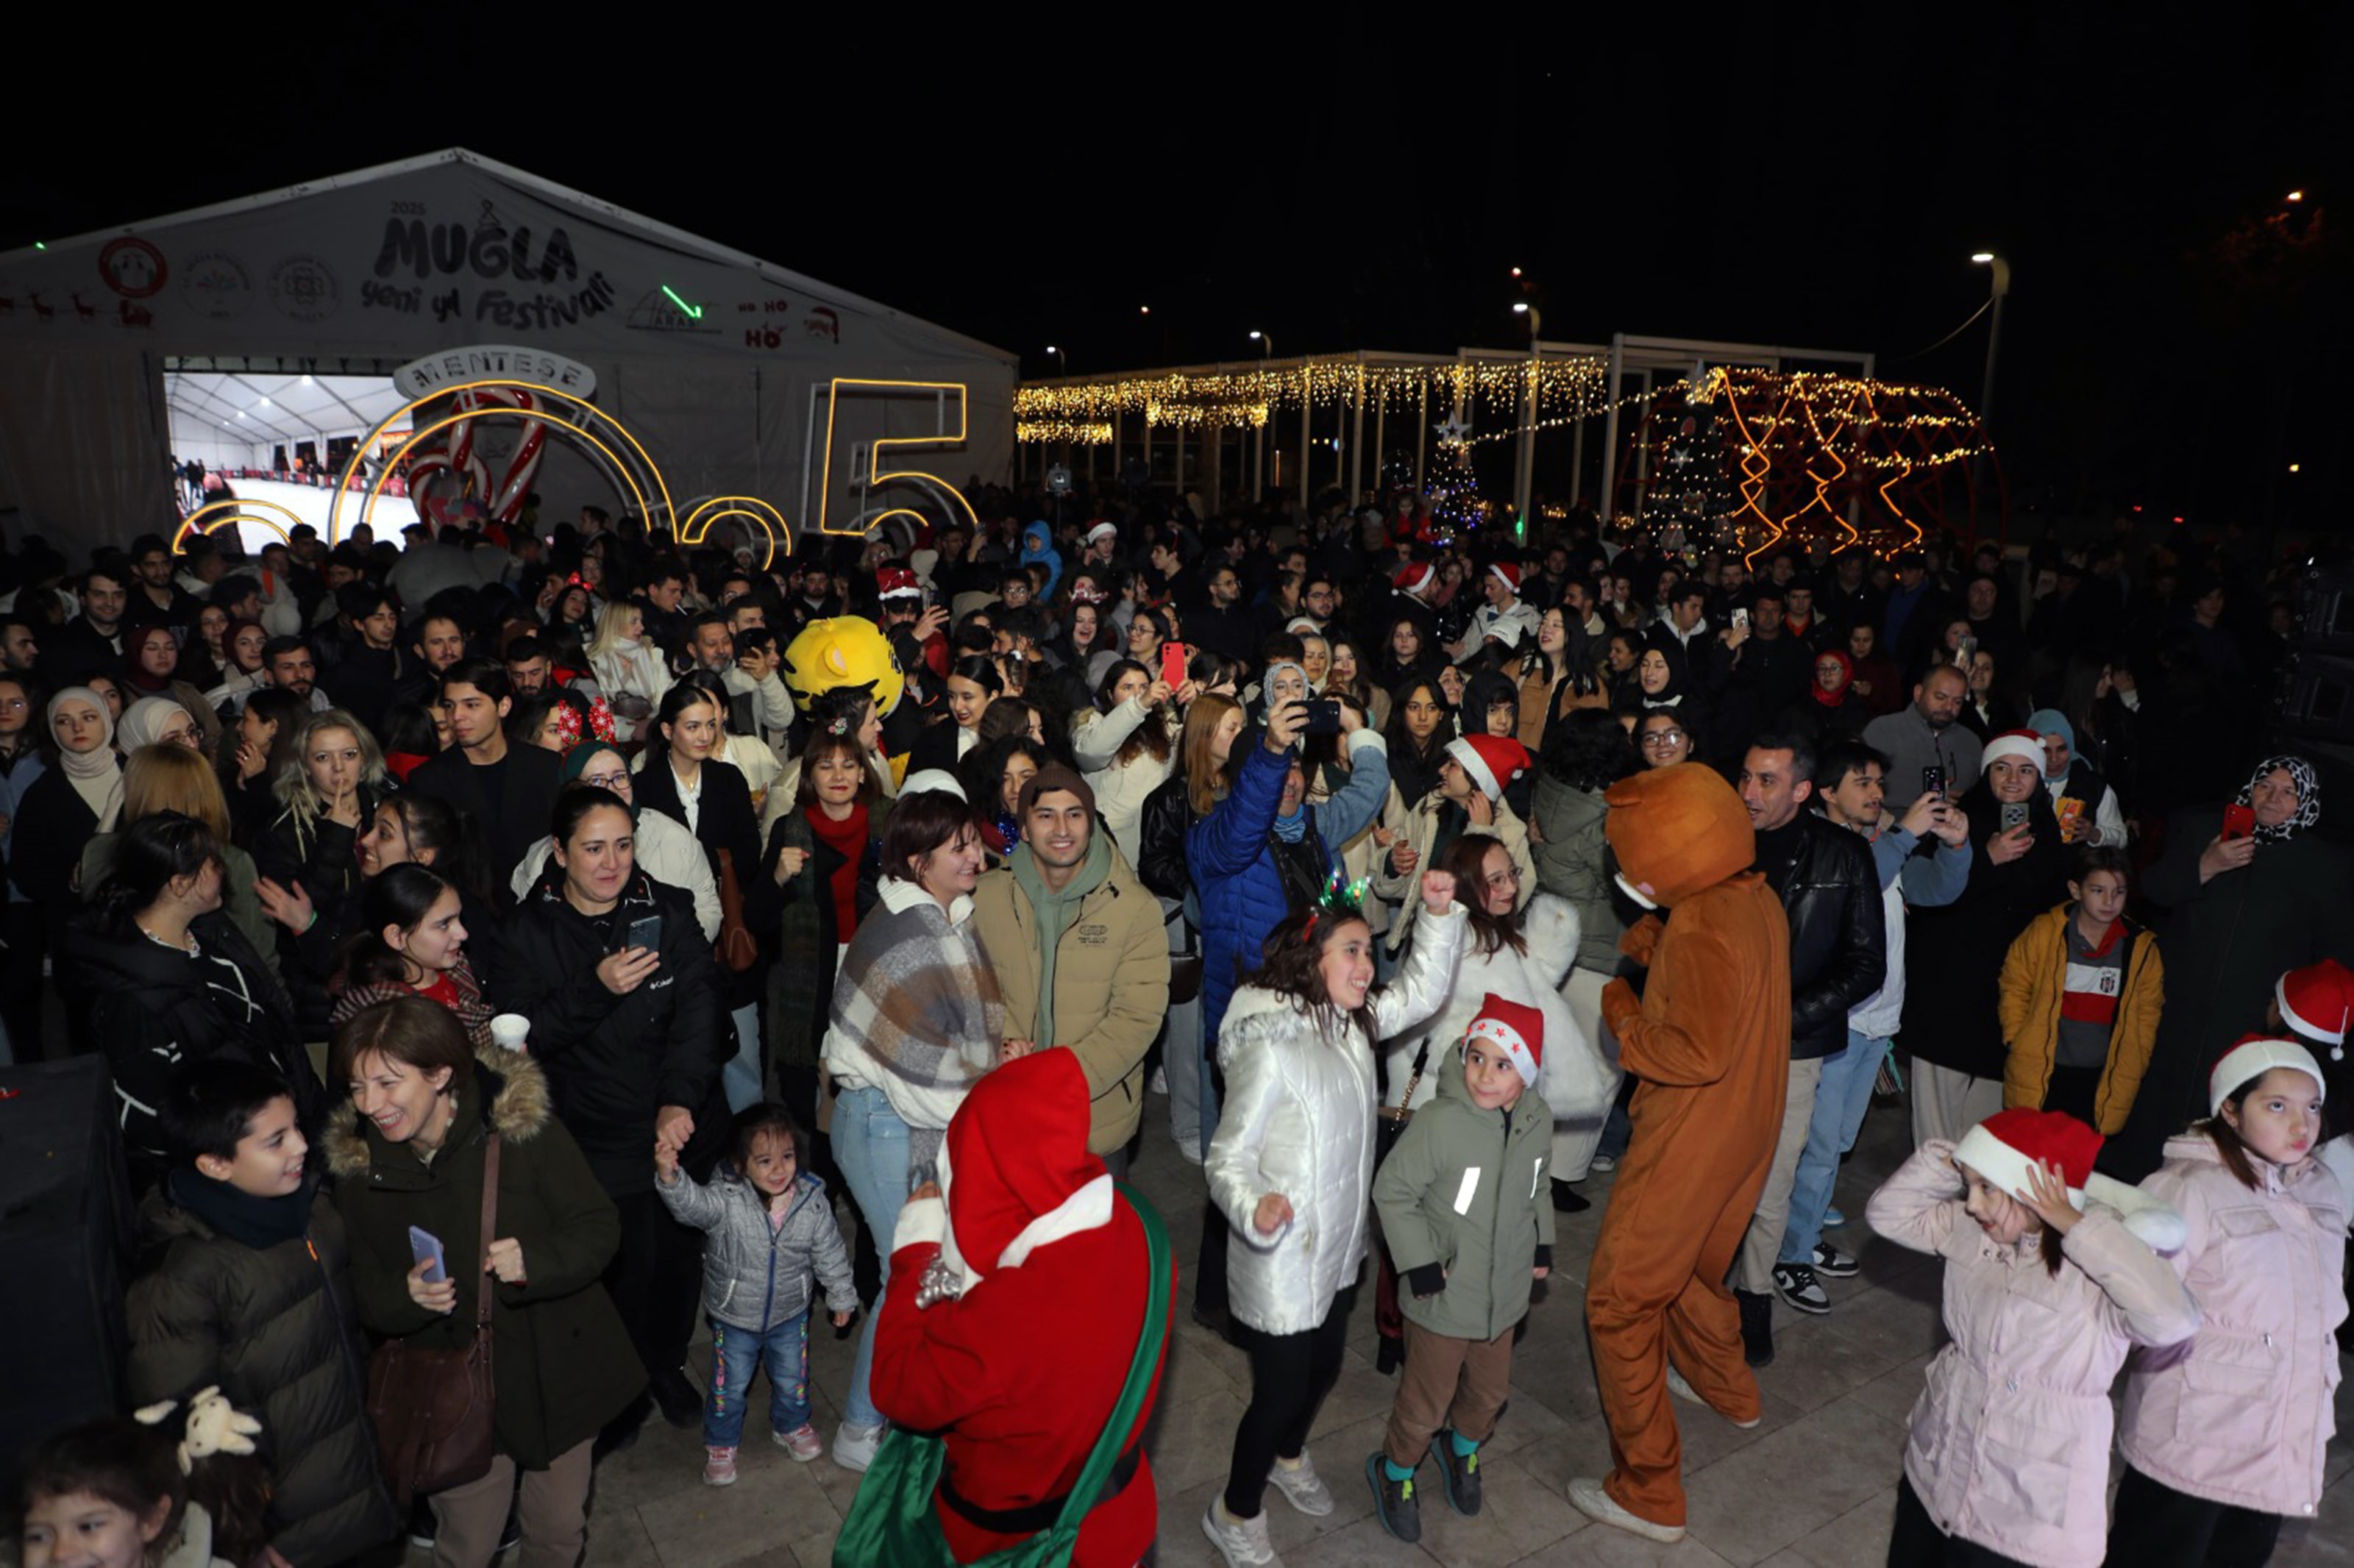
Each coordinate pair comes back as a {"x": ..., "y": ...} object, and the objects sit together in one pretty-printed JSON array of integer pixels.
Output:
[
  {"x": 646, "y": 228},
  {"x": 252, "y": 406}
]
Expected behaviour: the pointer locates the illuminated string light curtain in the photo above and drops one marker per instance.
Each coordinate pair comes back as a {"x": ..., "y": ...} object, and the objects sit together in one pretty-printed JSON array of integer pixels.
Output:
[
  {"x": 1784, "y": 455},
  {"x": 1567, "y": 390}
]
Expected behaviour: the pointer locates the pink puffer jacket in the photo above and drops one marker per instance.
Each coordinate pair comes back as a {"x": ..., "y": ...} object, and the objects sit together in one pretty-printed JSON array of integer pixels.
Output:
[
  {"x": 2240, "y": 1413},
  {"x": 2010, "y": 1444}
]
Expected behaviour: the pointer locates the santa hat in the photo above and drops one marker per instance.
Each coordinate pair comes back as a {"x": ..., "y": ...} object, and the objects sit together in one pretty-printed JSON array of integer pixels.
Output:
[
  {"x": 1412, "y": 577},
  {"x": 1506, "y": 573},
  {"x": 896, "y": 582},
  {"x": 1102, "y": 531},
  {"x": 2317, "y": 1001},
  {"x": 2020, "y": 743},
  {"x": 924, "y": 779},
  {"x": 1491, "y": 761},
  {"x": 2004, "y": 1149},
  {"x": 2250, "y": 1058},
  {"x": 1516, "y": 1028}
]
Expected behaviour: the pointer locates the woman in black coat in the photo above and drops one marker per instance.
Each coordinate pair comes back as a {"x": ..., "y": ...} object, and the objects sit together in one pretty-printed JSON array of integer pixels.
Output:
[
  {"x": 688, "y": 779},
  {"x": 170, "y": 979},
  {"x": 2234, "y": 915},
  {"x": 328, "y": 788},
  {"x": 627, "y": 1025},
  {"x": 1954, "y": 954}
]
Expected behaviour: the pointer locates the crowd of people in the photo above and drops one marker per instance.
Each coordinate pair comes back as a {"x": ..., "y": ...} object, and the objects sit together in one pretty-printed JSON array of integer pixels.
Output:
[{"x": 525, "y": 940}]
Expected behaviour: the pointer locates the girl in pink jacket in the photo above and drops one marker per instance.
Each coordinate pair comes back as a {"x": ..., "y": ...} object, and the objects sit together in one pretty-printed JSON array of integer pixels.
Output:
[
  {"x": 2223, "y": 1435},
  {"x": 2009, "y": 1456}
]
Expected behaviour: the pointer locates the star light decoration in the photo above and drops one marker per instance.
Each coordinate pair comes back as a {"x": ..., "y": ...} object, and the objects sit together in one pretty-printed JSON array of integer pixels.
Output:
[{"x": 1454, "y": 430}]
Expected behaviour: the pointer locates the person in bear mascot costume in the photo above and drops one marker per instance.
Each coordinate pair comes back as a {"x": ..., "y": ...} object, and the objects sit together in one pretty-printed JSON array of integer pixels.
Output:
[{"x": 1709, "y": 1042}]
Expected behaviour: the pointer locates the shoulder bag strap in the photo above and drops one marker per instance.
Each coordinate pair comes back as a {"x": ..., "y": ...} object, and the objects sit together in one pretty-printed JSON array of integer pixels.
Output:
[
  {"x": 1131, "y": 1403},
  {"x": 485, "y": 1289},
  {"x": 1414, "y": 1079}
]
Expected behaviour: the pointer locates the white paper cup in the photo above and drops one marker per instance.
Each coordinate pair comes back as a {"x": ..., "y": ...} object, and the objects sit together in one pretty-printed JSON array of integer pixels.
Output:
[{"x": 509, "y": 1030}]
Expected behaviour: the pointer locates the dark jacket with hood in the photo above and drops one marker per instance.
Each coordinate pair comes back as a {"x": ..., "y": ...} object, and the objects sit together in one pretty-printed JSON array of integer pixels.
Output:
[
  {"x": 275, "y": 1328},
  {"x": 561, "y": 1363},
  {"x": 1954, "y": 954},
  {"x": 613, "y": 1061}
]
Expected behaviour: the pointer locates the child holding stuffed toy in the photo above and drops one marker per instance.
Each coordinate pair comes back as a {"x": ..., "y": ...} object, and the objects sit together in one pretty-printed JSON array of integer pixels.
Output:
[
  {"x": 1288, "y": 1170},
  {"x": 773, "y": 1238},
  {"x": 2044, "y": 1296},
  {"x": 2224, "y": 1436},
  {"x": 1469, "y": 1221},
  {"x": 171, "y": 1490}
]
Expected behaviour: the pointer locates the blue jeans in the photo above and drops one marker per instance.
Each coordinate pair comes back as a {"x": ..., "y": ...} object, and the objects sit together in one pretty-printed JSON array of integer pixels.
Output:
[
  {"x": 870, "y": 1145},
  {"x": 737, "y": 1355},
  {"x": 1841, "y": 1097},
  {"x": 741, "y": 1077}
]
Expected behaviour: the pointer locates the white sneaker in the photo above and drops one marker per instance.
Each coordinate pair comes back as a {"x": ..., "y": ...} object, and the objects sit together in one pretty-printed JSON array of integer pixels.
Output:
[
  {"x": 1604, "y": 1165},
  {"x": 1587, "y": 1495},
  {"x": 1241, "y": 1541},
  {"x": 855, "y": 1447},
  {"x": 1160, "y": 1084},
  {"x": 1301, "y": 1487},
  {"x": 1189, "y": 1149},
  {"x": 1686, "y": 1392}
]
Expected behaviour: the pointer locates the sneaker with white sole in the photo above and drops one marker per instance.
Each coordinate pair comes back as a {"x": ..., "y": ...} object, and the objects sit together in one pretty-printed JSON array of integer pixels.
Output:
[
  {"x": 1243, "y": 1543},
  {"x": 1797, "y": 1284},
  {"x": 1690, "y": 1395},
  {"x": 1833, "y": 1264},
  {"x": 719, "y": 1466},
  {"x": 855, "y": 1447},
  {"x": 1833, "y": 1218},
  {"x": 1301, "y": 1487},
  {"x": 802, "y": 1443},
  {"x": 1587, "y": 1496},
  {"x": 1604, "y": 1165}
]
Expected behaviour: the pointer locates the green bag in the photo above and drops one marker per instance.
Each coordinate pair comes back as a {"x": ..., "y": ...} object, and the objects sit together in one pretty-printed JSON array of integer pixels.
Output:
[{"x": 891, "y": 1522}]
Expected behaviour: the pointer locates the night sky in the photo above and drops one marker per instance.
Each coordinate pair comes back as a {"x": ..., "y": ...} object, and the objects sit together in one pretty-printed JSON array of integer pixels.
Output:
[{"x": 1673, "y": 176}]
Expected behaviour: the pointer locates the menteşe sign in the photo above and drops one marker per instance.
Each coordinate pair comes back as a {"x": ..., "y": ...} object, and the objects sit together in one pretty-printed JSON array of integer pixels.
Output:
[{"x": 492, "y": 361}]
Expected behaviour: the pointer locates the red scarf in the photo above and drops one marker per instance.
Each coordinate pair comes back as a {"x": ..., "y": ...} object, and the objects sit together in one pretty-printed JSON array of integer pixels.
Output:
[
  {"x": 847, "y": 838},
  {"x": 1847, "y": 678}
]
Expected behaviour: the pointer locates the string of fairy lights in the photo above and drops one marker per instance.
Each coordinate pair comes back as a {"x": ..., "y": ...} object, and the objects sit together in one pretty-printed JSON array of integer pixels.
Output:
[{"x": 1248, "y": 398}]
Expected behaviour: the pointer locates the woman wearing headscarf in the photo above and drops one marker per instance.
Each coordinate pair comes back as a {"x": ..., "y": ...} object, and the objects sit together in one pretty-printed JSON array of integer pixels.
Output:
[
  {"x": 2096, "y": 817},
  {"x": 2235, "y": 914},
  {"x": 158, "y": 721},
  {"x": 152, "y": 662},
  {"x": 1830, "y": 707},
  {"x": 72, "y": 804}
]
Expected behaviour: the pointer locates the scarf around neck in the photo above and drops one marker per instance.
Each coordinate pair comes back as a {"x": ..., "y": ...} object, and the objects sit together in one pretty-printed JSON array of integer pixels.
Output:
[
  {"x": 96, "y": 776},
  {"x": 1055, "y": 911},
  {"x": 258, "y": 1222}
]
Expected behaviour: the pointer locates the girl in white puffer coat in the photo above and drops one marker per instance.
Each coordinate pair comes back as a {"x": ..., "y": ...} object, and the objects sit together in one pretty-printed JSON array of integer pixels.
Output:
[{"x": 1290, "y": 1169}]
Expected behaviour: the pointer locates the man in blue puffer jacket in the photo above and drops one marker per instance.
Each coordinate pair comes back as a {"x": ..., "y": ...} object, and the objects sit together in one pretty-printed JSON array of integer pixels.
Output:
[{"x": 1038, "y": 549}]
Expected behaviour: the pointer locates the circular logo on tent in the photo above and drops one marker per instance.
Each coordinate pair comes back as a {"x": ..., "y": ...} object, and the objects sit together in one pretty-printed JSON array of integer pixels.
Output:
[
  {"x": 132, "y": 267},
  {"x": 217, "y": 285},
  {"x": 303, "y": 287}
]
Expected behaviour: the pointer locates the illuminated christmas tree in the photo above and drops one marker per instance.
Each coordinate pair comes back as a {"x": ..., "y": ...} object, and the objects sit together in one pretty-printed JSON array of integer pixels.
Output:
[
  {"x": 1691, "y": 487},
  {"x": 1456, "y": 508}
]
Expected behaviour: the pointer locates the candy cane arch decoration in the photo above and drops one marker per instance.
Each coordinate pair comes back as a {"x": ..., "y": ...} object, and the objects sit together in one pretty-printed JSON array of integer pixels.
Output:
[{"x": 503, "y": 499}]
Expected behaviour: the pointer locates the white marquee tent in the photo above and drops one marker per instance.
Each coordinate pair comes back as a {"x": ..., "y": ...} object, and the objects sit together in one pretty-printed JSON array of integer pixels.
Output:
[{"x": 114, "y": 345}]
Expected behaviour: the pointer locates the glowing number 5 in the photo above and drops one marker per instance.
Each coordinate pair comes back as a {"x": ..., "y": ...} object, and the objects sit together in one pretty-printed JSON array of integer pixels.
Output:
[{"x": 881, "y": 476}]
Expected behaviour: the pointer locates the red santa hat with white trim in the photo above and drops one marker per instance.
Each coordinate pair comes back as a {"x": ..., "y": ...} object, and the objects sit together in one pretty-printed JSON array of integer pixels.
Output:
[
  {"x": 2250, "y": 1058},
  {"x": 1516, "y": 1028},
  {"x": 1492, "y": 760},
  {"x": 2317, "y": 1002},
  {"x": 2020, "y": 743},
  {"x": 2005, "y": 1148},
  {"x": 1506, "y": 573},
  {"x": 1411, "y": 579}
]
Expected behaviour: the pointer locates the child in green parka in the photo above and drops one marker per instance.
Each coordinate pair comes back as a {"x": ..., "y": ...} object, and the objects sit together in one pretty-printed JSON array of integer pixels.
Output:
[{"x": 1468, "y": 1217}]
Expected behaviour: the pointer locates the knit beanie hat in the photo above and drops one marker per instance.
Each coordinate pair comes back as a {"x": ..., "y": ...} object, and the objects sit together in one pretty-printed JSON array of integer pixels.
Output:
[
  {"x": 2317, "y": 1002},
  {"x": 1052, "y": 776},
  {"x": 2250, "y": 1058},
  {"x": 1516, "y": 1028},
  {"x": 2005, "y": 1147},
  {"x": 924, "y": 779},
  {"x": 1492, "y": 760},
  {"x": 2019, "y": 742}
]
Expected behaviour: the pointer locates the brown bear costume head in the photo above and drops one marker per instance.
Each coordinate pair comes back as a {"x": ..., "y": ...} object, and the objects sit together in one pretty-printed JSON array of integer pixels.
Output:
[{"x": 1677, "y": 831}]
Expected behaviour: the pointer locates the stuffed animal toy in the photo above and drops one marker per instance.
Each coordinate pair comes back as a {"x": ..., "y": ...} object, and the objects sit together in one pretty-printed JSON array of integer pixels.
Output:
[{"x": 845, "y": 651}]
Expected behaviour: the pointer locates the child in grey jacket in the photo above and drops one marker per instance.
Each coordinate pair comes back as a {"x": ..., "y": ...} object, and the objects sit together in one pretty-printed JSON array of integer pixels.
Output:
[
  {"x": 1466, "y": 1215},
  {"x": 773, "y": 1236}
]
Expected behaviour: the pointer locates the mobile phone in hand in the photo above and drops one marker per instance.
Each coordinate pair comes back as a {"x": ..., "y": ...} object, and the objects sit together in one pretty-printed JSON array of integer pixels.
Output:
[
  {"x": 1324, "y": 716},
  {"x": 1174, "y": 658},
  {"x": 2239, "y": 821},
  {"x": 425, "y": 1247},
  {"x": 1933, "y": 780},
  {"x": 2014, "y": 815},
  {"x": 645, "y": 933}
]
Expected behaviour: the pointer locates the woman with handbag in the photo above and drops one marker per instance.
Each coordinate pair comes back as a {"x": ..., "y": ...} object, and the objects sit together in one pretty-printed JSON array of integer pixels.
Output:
[
  {"x": 1039, "y": 1451},
  {"x": 467, "y": 1153},
  {"x": 688, "y": 779}
]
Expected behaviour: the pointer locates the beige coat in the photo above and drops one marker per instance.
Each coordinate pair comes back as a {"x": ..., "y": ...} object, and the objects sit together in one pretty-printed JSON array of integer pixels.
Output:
[{"x": 1422, "y": 831}]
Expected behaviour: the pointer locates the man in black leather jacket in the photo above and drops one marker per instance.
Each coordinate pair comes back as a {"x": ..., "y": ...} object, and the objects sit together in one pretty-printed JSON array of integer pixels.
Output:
[{"x": 1839, "y": 956}]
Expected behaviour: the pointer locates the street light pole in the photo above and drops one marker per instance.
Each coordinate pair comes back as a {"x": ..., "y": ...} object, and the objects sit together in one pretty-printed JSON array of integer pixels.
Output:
[
  {"x": 1524, "y": 480},
  {"x": 2001, "y": 270},
  {"x": 1258, "y": 458}
]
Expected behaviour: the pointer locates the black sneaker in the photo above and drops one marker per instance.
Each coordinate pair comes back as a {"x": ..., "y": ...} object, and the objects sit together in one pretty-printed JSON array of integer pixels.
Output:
[
  {"x": 1833, "y": 1264},
  {"x": 1394, "y": 1502},
  {"x": 1458, "y": 1473},
  {"x": 1389, "y": 1354},
  {"x": 422, "y": 1525},
  {"x": 1567, "y": 1200},
  {"x": 682, "y": 1404},
  {"x": 1756, "y": 1328},
  {"x": 1797, "y": 1284}
]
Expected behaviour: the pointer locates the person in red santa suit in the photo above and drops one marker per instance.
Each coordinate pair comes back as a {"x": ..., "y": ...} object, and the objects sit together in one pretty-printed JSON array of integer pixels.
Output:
[{"x": 1023, "y": 1233}]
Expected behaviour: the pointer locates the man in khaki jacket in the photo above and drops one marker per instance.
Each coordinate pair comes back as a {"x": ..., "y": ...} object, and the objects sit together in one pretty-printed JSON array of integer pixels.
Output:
[{"x": 1080, "y": 950}]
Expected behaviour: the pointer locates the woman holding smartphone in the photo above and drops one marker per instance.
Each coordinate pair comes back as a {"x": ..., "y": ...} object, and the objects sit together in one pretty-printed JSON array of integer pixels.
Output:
[{"x": 618, "y": 982}]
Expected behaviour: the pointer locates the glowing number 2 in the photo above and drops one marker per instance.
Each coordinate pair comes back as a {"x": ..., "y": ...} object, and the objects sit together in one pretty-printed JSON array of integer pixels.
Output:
[{"x": 880, "y": 476}]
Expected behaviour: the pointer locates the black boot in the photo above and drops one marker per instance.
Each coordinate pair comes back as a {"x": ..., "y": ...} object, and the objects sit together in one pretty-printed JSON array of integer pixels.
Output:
[
  {"x": 1567, "y": 1198},
  {"x": 1756, "y": 1328}
]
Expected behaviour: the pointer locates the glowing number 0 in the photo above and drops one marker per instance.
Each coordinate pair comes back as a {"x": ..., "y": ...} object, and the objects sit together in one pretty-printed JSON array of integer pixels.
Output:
[{"x": 880, "y": 476}]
